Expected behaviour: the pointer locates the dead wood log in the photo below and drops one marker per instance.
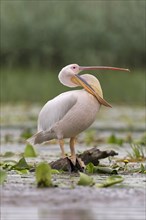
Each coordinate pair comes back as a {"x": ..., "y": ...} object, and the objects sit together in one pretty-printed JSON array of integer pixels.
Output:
[{"x": 92, "y": 155}]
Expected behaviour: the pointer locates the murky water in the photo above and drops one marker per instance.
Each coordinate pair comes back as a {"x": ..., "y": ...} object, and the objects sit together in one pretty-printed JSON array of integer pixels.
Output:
[
  {"x": 97, "y": 213},
  {"x": 76, "y": 204},
  {"x": 20, "y": 199}
]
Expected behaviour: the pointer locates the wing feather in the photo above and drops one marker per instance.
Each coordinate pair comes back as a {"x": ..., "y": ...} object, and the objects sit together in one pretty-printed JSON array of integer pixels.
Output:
[{"x": 55, "y": 109}]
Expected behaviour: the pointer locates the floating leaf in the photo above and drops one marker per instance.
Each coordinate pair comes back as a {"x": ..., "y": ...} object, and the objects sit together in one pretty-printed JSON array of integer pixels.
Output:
[
  {"x": 8, "y": 164},
  {"x": 110, "y": 181},
  {"x": 100, "y": 169},
  {"x": 3, "y": 176},
  {"x": 90, "y": 167},
  {"x": 8, "y": 154},
  {"x": 43, "y": 175},
  {"x": 105, "y": 170},
  {"x": 85, "y": 180},
  {"x": 53, "y": 171},
  {"x": 21, "y": 172},
  {"x": 21, "y": 165},
  {"x": 29, "y": 151}
]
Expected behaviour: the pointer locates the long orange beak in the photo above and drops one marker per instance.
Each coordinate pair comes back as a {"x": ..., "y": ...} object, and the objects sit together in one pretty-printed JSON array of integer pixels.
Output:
[
  {"x": 81, "y": 82},
  {"x": 102, "y": 68}
]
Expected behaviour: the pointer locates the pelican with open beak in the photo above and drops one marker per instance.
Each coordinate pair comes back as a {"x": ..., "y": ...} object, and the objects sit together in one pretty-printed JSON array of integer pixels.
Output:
[{"x": 71, "y": 112}]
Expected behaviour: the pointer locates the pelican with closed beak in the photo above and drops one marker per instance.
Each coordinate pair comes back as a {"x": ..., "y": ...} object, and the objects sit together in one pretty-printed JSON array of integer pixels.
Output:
[{"x": 71, "y": 112}]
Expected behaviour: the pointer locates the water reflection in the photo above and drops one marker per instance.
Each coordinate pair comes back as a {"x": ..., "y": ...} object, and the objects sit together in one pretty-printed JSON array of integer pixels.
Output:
[
  {"x": 66, "y": 214},
  {"x": 87, "y": 213},
  {"x": 45, "y": 214}
]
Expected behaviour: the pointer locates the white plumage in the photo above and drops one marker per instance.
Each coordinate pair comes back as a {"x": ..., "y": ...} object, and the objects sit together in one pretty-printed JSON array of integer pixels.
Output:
[
  {"x": 71, "y": 112},
  {"x": 55, "y": 109}
]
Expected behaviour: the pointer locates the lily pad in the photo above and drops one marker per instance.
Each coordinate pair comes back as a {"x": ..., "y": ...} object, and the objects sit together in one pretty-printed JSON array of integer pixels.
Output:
[
  {"x": 29, "y": 151},
  {"x": 53, "y": 171},
  {"x": 21, "y": 165},
  {"x": 112, "y": 180},
  {"x": 100, "y": 169},
  {"x": 8, "y": 154},
  {"x": 21, "y": 172},
  {"x": 3, "y": 176},
  {"x": 85, "y": 180},
  {"x": 8, "y": 164},
  {"x": 43, "y": 175}
]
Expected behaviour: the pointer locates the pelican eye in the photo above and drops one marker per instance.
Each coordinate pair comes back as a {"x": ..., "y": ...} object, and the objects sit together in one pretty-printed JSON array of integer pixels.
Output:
[{"x": 74, "y": 67}]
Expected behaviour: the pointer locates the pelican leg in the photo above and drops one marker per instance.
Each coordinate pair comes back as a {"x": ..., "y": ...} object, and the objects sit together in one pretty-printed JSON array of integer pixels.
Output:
[
  {"x": 72, "y": 149},
  {"x": 61, "y": 143},
  {"x": 77, "y": 163}
]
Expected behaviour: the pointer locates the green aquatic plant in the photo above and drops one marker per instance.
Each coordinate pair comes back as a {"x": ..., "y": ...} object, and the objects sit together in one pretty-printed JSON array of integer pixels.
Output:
[
  {"x": 8, "y": 154},
  {"x": 3, "y": 176},
  {"x": 29, "y": 151},
  {"x": 137, "y": 153},
  {"x": 21, "y": 165},
  {"x": 43, "y": 175},
  {"x": 90, "y": 168},
  {"x": 112, "y": 180},
  {"x": 8, "y": 164},
  {"x": 114, "y": 140},
  {"x": 14, "y": 165},
  {"x": 85, "y": 180},
  {"x": 141, "y": 169},
  {"x": 27, "y": 133}
]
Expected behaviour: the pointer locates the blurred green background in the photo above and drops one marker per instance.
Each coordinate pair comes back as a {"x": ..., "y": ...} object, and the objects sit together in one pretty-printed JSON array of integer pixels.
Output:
[{"x": 38, "y": 38}]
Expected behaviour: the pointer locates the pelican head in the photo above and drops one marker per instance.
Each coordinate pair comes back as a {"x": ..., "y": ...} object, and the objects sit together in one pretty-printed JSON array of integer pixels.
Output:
[{"x": 68, "y": 76}]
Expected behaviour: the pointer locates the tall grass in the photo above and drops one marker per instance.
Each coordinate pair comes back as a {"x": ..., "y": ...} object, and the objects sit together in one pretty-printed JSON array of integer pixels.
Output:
[{"x": 26, "y": 85}]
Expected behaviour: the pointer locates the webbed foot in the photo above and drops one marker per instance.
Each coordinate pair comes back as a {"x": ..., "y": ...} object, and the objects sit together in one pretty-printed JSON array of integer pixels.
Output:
[{"x": 75, "y": 164}]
